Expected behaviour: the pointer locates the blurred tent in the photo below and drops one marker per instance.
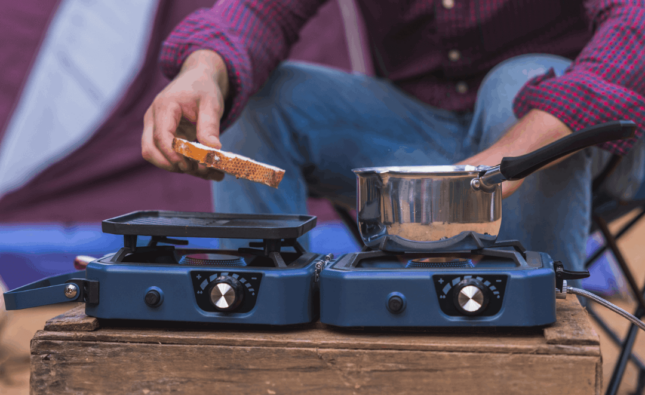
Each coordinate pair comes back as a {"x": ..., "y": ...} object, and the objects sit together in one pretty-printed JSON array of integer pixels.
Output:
[{"x": 72, "y": 99}]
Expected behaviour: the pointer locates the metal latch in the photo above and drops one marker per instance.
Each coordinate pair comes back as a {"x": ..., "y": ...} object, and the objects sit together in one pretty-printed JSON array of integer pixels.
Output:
[
  {"x": 561, "y": 277},
  {"x": 88, "y": 289},
  {"x": 320, "y": 265}
]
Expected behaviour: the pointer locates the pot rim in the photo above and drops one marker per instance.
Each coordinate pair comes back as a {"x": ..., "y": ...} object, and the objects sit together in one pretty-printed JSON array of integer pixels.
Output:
[{"x": 423, "y": 170}]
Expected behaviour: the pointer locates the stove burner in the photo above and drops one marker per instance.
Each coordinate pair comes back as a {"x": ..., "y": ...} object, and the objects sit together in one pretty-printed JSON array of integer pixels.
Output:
[
  {"x": 212, "y": 260},
  {"x": 440, "y": 262}
]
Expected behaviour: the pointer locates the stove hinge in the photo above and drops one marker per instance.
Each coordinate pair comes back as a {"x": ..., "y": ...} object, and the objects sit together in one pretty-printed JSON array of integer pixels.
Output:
[
  {"x": 320, "y": 265},
  {"x": 88, "y": 289},
  {"x": 561, "y": 277}
]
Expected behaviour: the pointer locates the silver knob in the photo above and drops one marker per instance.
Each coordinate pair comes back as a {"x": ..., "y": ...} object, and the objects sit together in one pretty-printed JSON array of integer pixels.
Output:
[
  {"x": 71, "y": 290},
  {"x": 226, "y": 293},
  {"x": 471, "y": 297}
]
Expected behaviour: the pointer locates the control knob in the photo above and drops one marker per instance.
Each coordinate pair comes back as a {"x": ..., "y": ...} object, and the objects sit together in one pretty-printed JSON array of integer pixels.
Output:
[
  {"x": 226, "y": 293},
  {"x": 471, "y": 297}
]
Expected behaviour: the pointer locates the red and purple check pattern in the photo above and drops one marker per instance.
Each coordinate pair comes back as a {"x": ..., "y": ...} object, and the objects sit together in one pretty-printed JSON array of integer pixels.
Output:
[{"x": 414, "y": 43}]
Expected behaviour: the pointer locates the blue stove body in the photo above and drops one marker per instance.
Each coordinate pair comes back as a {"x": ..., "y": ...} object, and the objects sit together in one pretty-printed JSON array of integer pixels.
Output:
[
  {"x": 374, "y": 289},
  {"x": 272, "y": 282},
  {"x": 270, "y": 296},
  {"x": 276, "y": 282},
  {"x": 177, "y": 292}
]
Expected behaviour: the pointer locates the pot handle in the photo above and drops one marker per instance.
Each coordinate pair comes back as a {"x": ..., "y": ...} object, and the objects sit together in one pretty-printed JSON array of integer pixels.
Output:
[{"x": 518, "y": 167}]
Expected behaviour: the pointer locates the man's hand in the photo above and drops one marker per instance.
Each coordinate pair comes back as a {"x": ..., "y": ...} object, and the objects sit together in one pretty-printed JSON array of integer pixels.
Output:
[
  {"x": 189, "y": 107},
  {"x": 533, "y": 131}
]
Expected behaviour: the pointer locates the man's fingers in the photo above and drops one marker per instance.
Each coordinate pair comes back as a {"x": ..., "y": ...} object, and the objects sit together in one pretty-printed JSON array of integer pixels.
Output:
[
  {"x": 210, "y": 111},
  {"x": 166, "y": 121},
  {"x": 150, "y": 152},
  {"x": 216, "y": 175},
  {"x": 207, "y": 173}
]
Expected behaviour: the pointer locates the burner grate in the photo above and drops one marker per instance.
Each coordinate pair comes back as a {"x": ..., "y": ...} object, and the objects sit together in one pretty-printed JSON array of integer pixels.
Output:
[
  {"x": 456, "y": 264},
  {"x": 212, "y": 260}
]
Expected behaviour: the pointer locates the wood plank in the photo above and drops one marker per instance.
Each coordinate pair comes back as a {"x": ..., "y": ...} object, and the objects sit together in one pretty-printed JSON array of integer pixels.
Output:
[
  {"x": 573, "y": 325},
  {"x": 116, "y": 368},
  {"x": 571, "y": 336},
  {"x": 330, "y": 339},
  {"x": 73, "y": 320}
]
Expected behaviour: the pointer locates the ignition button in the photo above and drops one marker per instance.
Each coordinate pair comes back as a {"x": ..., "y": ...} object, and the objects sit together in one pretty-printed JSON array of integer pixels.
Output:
[
  {"x": 396, "y": 302},
  {"x": 153, "y": 297}
]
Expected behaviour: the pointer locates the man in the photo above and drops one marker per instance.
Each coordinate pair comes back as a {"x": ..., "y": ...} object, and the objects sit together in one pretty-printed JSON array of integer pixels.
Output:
[{"x": 457, "y": 85}]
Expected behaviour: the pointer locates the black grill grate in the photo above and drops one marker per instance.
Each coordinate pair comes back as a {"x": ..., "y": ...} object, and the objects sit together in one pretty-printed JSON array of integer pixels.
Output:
[{"x": 458, "y": 264}]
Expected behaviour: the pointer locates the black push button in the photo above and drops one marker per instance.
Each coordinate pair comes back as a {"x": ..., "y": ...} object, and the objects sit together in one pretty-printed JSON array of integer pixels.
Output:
[
  {"x": 153, "y": 298},
  {"x": 395, "y": 304}
]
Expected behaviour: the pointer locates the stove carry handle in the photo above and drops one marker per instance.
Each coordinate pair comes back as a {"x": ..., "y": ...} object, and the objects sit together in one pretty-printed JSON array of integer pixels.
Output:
[{"x": 71, "y": 287}]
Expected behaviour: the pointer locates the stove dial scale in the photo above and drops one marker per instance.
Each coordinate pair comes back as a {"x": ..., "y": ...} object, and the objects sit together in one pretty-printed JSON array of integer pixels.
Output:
[
  {"x": 470, "y": 295},
  {"x": 226, "y": 291}
]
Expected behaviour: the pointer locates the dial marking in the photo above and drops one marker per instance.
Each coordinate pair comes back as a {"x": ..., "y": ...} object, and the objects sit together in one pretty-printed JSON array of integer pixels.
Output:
[{"x": 204, "y": 284}]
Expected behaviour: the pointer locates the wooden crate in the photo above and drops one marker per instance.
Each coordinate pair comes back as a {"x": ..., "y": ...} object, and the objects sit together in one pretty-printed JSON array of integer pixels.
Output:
[{"x": 80, "y": 354}]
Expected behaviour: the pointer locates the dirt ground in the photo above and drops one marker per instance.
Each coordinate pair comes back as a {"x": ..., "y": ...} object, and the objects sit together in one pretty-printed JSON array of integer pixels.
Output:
[{"x": 17, "y": 331}]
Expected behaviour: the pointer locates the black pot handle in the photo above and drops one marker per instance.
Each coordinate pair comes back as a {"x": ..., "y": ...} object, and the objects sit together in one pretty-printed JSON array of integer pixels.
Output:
[{"x": 518, "y": 167}]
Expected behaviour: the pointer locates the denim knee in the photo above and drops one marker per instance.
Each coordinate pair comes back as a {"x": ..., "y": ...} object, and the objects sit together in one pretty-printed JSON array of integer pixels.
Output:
[
  {"x": 494, "y": 106},
  {"x": 288, "y": 82},
  {"x": 516, "y": 71}
]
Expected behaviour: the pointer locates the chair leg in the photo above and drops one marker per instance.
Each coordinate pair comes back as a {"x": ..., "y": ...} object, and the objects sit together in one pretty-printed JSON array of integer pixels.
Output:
[
  {"x": 613, "y": 336},
  {"x": 640, "y": 387},
  {"x": 621, "y": 364},
  {"x": 620, "y": 233},
  {"x": 611, "y": 242},
  {"x": 628, "y": 344}
]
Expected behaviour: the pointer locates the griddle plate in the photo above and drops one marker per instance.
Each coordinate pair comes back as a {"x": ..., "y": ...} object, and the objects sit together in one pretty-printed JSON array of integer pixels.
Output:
[{"x": 214, "y": 225}]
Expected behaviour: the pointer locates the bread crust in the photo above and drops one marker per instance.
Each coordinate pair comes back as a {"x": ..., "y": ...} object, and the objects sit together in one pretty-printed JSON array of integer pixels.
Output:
[{"x": 233, "y": 164}]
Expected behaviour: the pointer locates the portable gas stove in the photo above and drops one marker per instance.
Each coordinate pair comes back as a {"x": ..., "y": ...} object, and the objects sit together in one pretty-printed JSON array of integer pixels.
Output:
[
  {"x": 261, "y": 284},
  {"x": 493, "y": 286}
]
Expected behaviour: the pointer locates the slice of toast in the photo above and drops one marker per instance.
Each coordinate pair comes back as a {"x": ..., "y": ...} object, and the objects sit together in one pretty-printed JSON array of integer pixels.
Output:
[{"x": 233, "y": 164}]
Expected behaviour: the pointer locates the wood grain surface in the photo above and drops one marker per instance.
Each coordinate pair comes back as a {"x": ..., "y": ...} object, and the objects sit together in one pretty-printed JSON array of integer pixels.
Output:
[
  {"x": 151, "y": 358},
  {"x": 72, "y": 320}
]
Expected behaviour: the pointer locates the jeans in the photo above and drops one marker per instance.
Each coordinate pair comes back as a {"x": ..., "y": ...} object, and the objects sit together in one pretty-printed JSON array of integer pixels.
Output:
[{"x": 318, "y": 123}]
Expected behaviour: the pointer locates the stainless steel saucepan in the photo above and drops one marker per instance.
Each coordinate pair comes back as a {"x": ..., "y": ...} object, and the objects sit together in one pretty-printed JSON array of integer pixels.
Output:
[{"x": 430, "y": 208}]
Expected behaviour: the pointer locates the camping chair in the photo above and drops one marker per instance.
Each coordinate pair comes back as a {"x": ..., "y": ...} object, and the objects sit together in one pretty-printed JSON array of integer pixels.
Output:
[{"x": 605, "y": 210}]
